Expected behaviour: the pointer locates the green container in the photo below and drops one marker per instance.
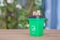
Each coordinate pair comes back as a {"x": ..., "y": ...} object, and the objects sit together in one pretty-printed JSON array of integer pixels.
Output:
[{"x": 36, "y": 26}]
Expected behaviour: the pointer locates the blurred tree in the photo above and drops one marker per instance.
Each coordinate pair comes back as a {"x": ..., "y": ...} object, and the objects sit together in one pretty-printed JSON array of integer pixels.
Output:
[{"x": 14, "y": 14}]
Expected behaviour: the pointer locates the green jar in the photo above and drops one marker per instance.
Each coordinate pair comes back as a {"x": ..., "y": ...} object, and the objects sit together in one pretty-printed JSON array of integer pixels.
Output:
[{"x": 36, "y": 26}]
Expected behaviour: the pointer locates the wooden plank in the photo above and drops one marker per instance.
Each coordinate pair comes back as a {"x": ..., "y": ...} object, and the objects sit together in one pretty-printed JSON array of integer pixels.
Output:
[{"x": 23, "y": 34}]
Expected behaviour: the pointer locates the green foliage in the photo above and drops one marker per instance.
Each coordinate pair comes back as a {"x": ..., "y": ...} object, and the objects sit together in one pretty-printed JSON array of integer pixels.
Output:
[
  {"x": 3, "y": 9},
  {"x": 23, "y": 20},
  {"x": 19, "y": 18},
  {"x": 11, "y": 7}
]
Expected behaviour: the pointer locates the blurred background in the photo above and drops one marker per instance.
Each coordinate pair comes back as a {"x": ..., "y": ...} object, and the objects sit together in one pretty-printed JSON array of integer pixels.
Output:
[{"x": 14, "y": 13}]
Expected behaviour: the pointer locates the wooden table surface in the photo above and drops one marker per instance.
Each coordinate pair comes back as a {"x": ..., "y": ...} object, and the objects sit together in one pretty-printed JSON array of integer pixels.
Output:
[{"x": 19, "y": 34}]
